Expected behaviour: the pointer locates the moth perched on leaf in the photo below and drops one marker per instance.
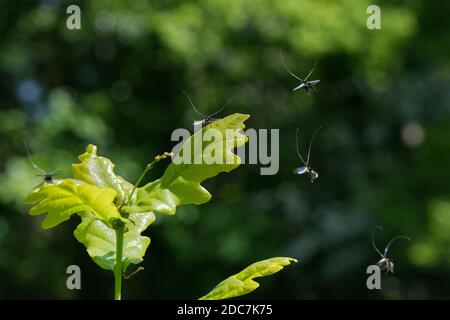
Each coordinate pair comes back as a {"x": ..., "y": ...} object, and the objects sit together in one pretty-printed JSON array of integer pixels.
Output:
[
  {"x": 305, "y": 84},
  {"x": 306, "y": 168},
  {"x": 206, "y": 119},
  {"x": 385, "y": 263}
]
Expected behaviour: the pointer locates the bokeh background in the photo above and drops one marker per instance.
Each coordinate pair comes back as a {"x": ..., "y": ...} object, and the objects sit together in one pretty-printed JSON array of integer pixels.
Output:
[{"x": 383, "y": 155}]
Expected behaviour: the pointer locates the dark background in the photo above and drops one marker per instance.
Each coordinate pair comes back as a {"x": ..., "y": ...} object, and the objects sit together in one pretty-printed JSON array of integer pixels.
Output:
[{"x": 383, "y": 155}]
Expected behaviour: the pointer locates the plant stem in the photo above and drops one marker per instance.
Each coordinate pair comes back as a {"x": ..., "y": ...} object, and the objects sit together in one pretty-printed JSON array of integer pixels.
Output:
[
  {"x": 121, "y": 227},
  {"x": 148, "y": 167},
  {"x": 118, "y": 268}
]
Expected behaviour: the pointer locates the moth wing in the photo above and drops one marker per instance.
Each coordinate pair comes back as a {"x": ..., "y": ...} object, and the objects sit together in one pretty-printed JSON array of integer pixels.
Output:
[
  {"x": 391, "y": 267},
  {"x": 198, "y": 123},
  {"x": 299, "y": 87},
  {"x": 301, "y": 170},
  {"x": 313, "y": 82},
  {"x": 314, "y": 175},
  {"x": 382, "y": 264}
]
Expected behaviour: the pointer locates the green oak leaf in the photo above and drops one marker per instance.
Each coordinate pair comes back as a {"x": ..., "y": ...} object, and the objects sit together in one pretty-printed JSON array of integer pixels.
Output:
[
  {"x": 63, "y": 198},
  {"x": 181, "y": 182},
  {"x": 99, "y": 171},
  {"x": 100, "y": 240},
  {"x": 243, "y": 283}
]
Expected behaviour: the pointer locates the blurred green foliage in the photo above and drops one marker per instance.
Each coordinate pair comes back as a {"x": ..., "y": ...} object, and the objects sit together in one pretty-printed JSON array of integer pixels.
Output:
[{"x": 382, "y": 157}]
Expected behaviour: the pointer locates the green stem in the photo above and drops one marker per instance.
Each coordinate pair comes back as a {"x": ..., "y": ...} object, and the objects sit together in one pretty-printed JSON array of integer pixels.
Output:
[
  {"x": 118, "y": 267},
  {"x": 120, "y": 231},
  {"x": 146, "y": 170}
]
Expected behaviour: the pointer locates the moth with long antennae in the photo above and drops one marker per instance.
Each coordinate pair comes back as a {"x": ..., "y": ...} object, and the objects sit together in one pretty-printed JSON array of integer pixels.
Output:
[
  {"x": 206, "y": 119},
  {"x": 305, "y": 84},
  {"x": 385, "y": 262},
  {"x": 47, "y": 176},
  {"x": 306, "y": 168}
]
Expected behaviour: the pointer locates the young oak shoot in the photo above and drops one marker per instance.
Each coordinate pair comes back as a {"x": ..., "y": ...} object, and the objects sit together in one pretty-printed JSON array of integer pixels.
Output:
[{"x": 114, "y": 212}]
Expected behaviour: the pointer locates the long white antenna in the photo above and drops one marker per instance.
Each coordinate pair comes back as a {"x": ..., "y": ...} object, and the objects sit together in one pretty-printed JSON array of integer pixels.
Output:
[
  {"x": 287, "y": 69},
  {"x": 225, "y": 105},
  {"x": 31, "y": 160},
  {"x": 392, "y": 241},
  {"x": 373, "y": 240},
  {"x": 192, "y": 104},
  {"x": 315, "y": 63},
  {"x": 54, "y": 172},
  {"x": 298, "y": 151},
  {"x": 311, "y": 142}
]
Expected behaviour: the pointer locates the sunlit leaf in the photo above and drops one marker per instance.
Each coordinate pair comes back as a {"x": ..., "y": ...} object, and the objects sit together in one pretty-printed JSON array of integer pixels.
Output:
[
  {"x": 100, "y": 240},
  {"x": 181, "y": 182},
  {"x": 99, "y": 171},
  {"x": 64, "y": 198},
  {"x": 243, "y": 283}
]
